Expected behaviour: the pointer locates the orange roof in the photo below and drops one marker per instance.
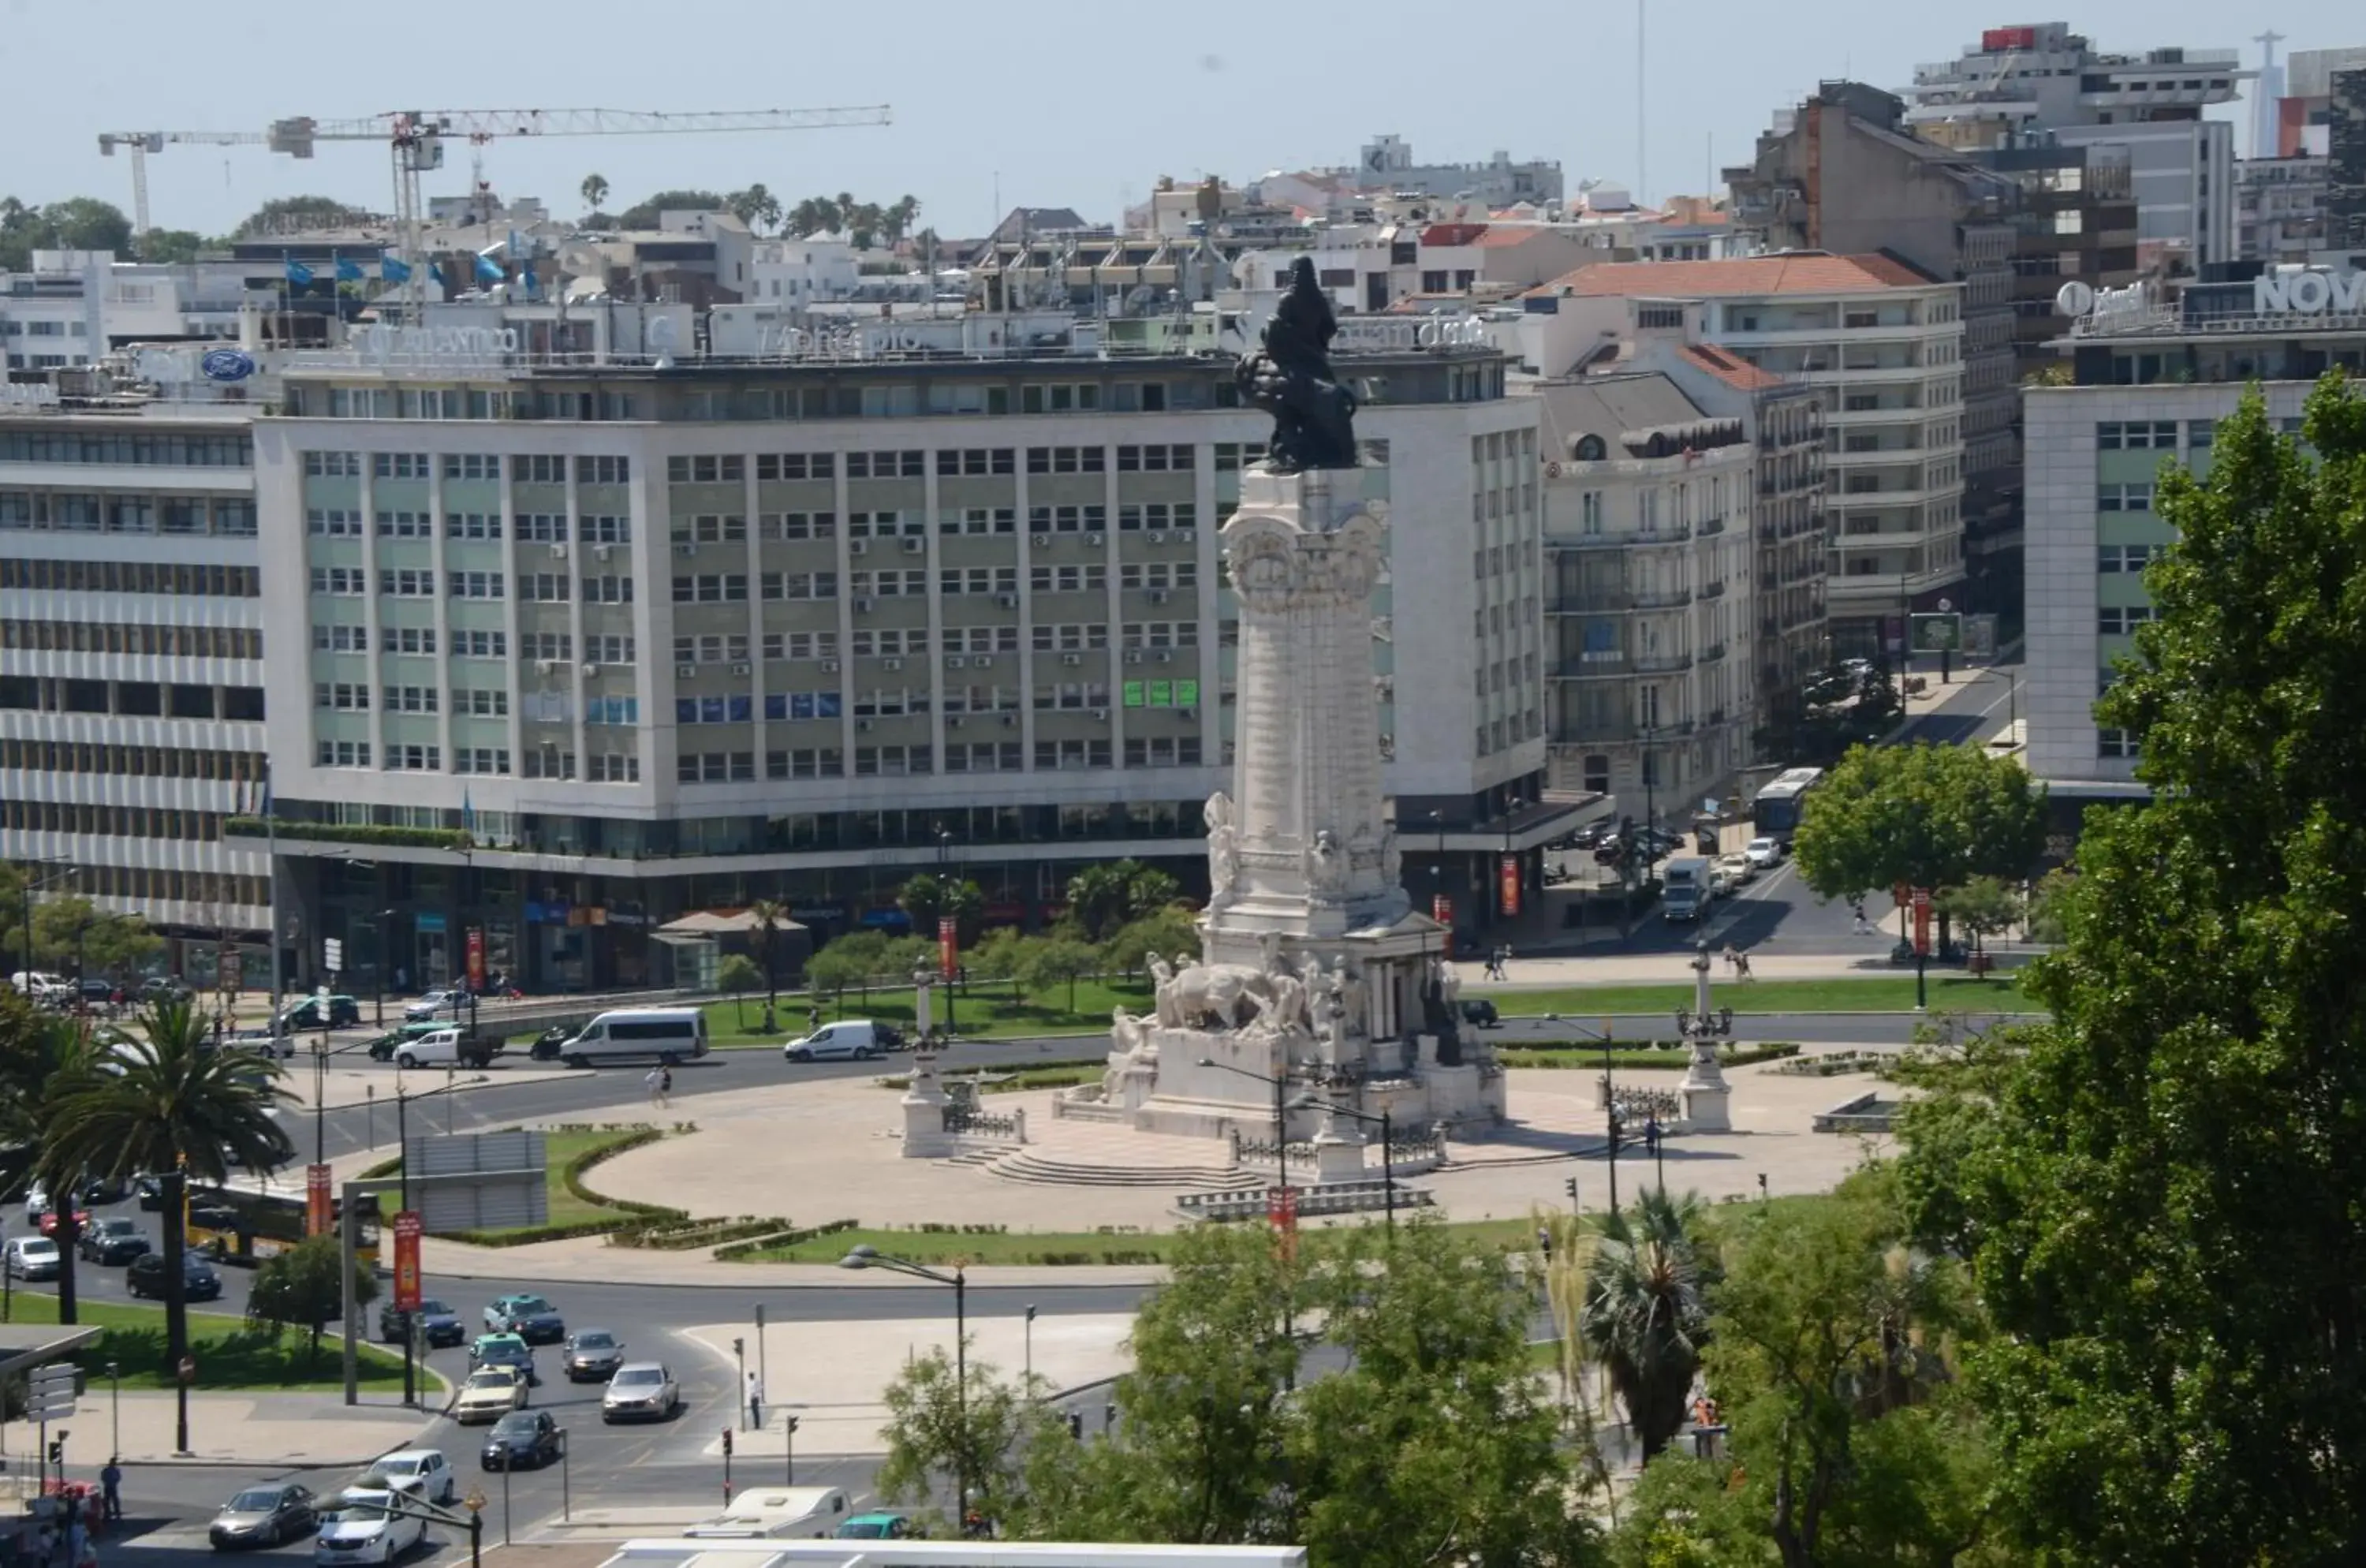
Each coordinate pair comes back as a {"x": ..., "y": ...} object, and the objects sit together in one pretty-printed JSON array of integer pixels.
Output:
[
  {"x": 1793, "y": 271},
  {"x": 1500, "y": 236},
  {"x": 1738, "y": 373},
  {"x": 1452, "y": 234}
]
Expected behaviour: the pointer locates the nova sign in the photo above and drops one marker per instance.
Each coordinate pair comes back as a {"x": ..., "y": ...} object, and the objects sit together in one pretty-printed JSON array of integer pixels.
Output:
[{"x": 2309, "y": 293}]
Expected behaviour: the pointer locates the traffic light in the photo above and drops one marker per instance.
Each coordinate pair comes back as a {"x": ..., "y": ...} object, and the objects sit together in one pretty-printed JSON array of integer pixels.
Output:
[
  {"x": 1569, "y": 1185},
  {"x": 726, "y": 1442},
  {"x": 57, "y": 1450}
]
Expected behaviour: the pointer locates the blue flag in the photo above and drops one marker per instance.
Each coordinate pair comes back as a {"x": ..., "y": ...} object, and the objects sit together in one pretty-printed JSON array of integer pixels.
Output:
[
  {"x": 467, "y": 815},
  {"x": 297, "y": 273},
  {"x": 393, "y": 270},
  {"x": 526, "y": 277},
  {"x": 348, "y": 270},
  {"x": 487, "y": 270},
  {"x": 435, "y": 272}
]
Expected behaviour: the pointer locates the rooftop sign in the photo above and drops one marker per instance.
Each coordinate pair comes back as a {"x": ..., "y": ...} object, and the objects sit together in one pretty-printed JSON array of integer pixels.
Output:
[{"x": 2309, "y": 293}]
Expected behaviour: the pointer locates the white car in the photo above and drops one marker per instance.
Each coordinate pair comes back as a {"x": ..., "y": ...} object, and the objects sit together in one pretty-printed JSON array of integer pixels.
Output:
[
  {"x": 435, "y": 1004},
  {"x": 641, "y": 1390},
  {"x": 436, "y": 1048},
  {"x": 424, "y": 1470},
  {"x": 1764, "y": 853},
  {"x": 365, "y": 1528},
  {"x": 848, "y": 1040},
  {"x": 490, "y": 1394}
]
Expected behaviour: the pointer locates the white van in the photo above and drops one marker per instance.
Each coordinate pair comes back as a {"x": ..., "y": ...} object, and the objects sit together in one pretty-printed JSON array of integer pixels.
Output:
[
  {"x": 848, "y": 1040},
  {"x": 666, "y": 1034},
  {"x": 774, "y": 1512}
]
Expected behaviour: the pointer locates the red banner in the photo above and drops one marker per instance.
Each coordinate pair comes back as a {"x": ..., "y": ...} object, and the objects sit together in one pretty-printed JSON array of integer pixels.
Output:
[
  {"x": 476, "y": 958},
  {"x": 1282, "y": 1210},
  {"x": 948, "y": 946},
  {"x": 1441, "y": 910},
  {"x": 406, "y": 1261},
  {"x": 320, "y": 1202},
  {"x": 1508, "y": 893},
  {"x": 1922, "y": 922}
]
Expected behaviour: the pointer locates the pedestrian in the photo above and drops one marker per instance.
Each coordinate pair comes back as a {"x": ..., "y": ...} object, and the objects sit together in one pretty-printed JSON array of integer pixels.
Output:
[
  {"x": 813, "y": 1018},
  {"x": 665, "y": 1085},
  {"x": 1651, "y": 1134},
  {"x": 755, "y": 1402},
  {"x": 111, "y": 1483},
  {"x": 1742, "y": 965},
  {"x": 653, "y": 1083},
  {"x": 1733, "y": 960}
]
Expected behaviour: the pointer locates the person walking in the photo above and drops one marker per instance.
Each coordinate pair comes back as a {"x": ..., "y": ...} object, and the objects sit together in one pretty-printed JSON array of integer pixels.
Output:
[
  {"x": 110, "y": 1487},
  {"x": 651, "y": 1084},
  {"x": 665, "y": 1085},
  {"x": 755, "y": 1403},
  {"x": 1741, "y": 966}
]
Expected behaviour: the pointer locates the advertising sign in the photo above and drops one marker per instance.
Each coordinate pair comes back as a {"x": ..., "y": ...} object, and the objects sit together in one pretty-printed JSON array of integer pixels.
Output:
[
  {"x": 1507, "y": 890},
  {"x": 948, "y": 946},
  {"x": 1938, "y": 633},
  {"x": 406, "y": 1261},
  {"x": 1922, "y": 922},
  {"x": 319, "y": 1207},
  {"x": 1441, "y": 910},
  {"x": 476, "y": 958}
]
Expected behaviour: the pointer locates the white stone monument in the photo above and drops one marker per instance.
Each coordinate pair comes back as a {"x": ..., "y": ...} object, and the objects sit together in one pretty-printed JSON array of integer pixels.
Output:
[
  {"x": 1313, "y": 965},
  {"x": 1704, "y": 1095}
]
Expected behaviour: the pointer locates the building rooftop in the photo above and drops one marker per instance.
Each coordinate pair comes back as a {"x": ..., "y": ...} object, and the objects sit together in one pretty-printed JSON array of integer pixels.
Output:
[
  {"x": 1736, "y": 373},
  {"x": 1792, "y": 271}
]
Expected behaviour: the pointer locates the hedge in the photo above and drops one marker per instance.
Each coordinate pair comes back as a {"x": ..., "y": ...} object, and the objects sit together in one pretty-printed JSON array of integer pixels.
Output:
[
  {"x": 1634, "y": 1055},
  {"x": 781, "y": 1238},
  {"x": 634, "y": 1215},
  {"x": 352, "y": 833},
  {"x": 698, "y": 1232}
]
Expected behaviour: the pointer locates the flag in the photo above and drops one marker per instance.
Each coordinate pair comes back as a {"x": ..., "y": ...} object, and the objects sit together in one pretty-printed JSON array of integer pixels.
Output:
[
  {"x": 489, "y": 271},
  {"x": 525, "y": 277},
  {"x": 467, "y": 814},
  {"x": 393, "y": 270},
  {"x": 297, "y": 273},
  {"x": 348, "y": 270},
  {"x": 435, "y": 273}
]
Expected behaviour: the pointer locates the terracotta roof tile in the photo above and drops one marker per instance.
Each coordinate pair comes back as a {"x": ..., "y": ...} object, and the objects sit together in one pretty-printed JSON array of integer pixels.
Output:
[
  {"x": 1733, "y": 372},
  {"x": 1452, "y": 234},
  {"x": 1793, "y": 272}
]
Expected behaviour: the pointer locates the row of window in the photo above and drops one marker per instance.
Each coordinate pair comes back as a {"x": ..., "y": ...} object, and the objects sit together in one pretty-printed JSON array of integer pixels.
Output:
[
  {"x": 112, "y": 821},
  {"x": 599, "y": 648},
  {"x": 2113, "y": 620},
  {"x": 2123, "y": 498},
  {"x": 354, "y": 697},
  {"x": 526, "y": 469},
  {"x": 421, "y": 582},
  {"x": 607, "y": 767},
  {"x": 2127, "y": 557},
  {"x": 341, "y": 522},
  {"x": 213, "y": 892},
  {"x": 131, "y": 761},
  {"x": 136, "y": 699},
  {"x": 183, "y": 515},
  {"x": 132, "y": 451},
  {"x": 132, "y": 577},
  {"x": 92, "y": 636}
]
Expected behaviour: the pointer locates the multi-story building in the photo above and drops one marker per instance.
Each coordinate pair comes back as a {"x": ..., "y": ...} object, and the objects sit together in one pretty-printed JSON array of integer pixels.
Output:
[
  {"x": 131, "y": 654},
  {"x": 2279, "y": 207},
  {"x": 2044, "y": 78},
  {"x": 1881, "y": 342},
  {"x": 1650, "y": 611},
  {"x": 663, "y": 638},
  {"x": 2149, "y": 386},
  {"x": 1386, "y": 163}
]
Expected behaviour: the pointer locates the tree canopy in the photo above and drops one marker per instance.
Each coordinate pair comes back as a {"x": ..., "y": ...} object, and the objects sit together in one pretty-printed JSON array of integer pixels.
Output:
[
  {"x": 644, "y": 214},
  {"x": 285, "y": 212},
  {"x": 303, "y": 1287},
  {"x": 1926, "y": 816},
  {"x": 74, "y": 223},
  {"x": 1105, "y": 897}
]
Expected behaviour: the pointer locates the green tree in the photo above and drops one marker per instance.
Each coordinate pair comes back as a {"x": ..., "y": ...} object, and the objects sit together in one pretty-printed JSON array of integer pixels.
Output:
[
  {"x": 1643, "y": 1316},
  {"x": 594, "y": 191},
  {"x": 644, "y": 214},
  {"x": 854, "y": 959},
  {"x": 171, "y": 246},
  {"x": 303, "y": 1287},
  {"x": 1055, "y": 961},
  {"x": 1985, "y": 906},
  {"x": 756, "y": 207},
  {"x": 1926, "y": 816},
  {"x": 2046, "y": 906},
  {"x": 1004, "y": 956},
  {"x": 1105, "y": 897},
  {"x": 43, "y": 1059},
  {"x": 2167, "y": 1223},
  {"x": 85, "y": 223},
  {"x": 282, "y": 213},
  {"x": 974, "y": 1434},
  {"x": 769, "y": 916},
  {"x": 174, "y": 1107},
  {"x": 1169, "y": 930},
  {"x": 734, "y": 978},
  {"x": 925, "y": 896},
  {"x": 106, "y": 943}
]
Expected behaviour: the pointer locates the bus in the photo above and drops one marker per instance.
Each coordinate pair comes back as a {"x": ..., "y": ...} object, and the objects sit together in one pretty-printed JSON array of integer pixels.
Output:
[
  {"x": 250, "y": 1223},
  {"x": 1776, "y": 812}
]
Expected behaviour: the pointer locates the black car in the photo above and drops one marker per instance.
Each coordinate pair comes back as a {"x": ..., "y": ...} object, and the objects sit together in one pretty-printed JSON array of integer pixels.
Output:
[
  {"x": 96, "y": 993},
  {"x": 104, "y": 1189},
  {"x": 343, "y": 1013},
  {"x": 265, "y": 1515},
  {"x": 111, "y": 1241},
  {"x": 149, "y": 1190},
  {"x": 593, "y": 1354},
  {"x": 146, "y": 1278},
  {"x": 523, "y": 1439},
  {"x": 438, "y": 1323},
  {"x": 546, "y": 1043}
]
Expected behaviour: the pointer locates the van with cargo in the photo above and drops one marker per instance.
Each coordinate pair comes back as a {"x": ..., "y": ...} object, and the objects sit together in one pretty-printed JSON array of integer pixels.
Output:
[
  {"x": 1685, "y": 887},
  {"x": 660, "y": 1034}
]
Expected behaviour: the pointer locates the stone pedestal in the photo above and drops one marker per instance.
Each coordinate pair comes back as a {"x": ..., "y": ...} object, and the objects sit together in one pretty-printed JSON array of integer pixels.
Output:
[
  {"x": 1338, "y": 1156},
  {"x": 1704, "y": 1094},
  {"x": 924, "y": 1111}
]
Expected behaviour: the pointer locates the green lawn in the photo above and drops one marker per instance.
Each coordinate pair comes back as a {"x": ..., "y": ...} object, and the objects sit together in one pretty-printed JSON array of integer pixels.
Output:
[
  {"x": 983, "y": 1011},
  {"x": 229, "y": 1355},
  {"x": 944, "y": 1247},
  {"x": 1884, "y": 993},
  {"x": 562, "y": 1149}
]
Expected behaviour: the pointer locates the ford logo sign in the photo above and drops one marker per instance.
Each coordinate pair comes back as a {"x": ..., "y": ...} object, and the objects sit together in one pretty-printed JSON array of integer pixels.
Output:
[{"x": 227, "y": 364}]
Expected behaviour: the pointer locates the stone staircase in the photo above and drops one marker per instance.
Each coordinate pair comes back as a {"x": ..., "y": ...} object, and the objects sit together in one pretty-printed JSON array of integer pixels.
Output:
[{"x": 1083, "y": 1155}]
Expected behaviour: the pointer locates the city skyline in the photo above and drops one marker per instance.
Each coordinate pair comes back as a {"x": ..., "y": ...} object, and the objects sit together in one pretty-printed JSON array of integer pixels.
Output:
[{"x": 966, "y": 140}]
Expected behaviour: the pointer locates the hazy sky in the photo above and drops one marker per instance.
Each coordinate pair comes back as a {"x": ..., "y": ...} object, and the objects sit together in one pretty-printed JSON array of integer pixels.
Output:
[{"x": 1076, "y": 105}]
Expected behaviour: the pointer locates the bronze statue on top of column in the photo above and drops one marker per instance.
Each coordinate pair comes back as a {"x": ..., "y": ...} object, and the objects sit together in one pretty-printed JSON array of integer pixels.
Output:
[{"x": 1291, "y": 378}]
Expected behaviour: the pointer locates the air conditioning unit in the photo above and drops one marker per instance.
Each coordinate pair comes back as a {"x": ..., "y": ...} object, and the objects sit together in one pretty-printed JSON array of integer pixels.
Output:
[
  {"x": 1133, "y": 656},
  {"x": 1156, "y": 536},
  {"x": 684, "y": 672},
  {"x": 1165, "y": 656},
  {"x": 1158, "y": 596},
  {"x": 955, "y": 722},
  {"x": 686, "y": 549},
  {"x": 602, "y": 550},
  {"x": 1041, "y": 541},
  {"x": 590, "y": 668},
  {"x": 547, "y": 667},
  {"x": 1095, "y": 541},
  {"x": 956, "y": 662},
  {"x": 830, "y": 666},
  {"x": 1188, "y": 535},
  {"x": 858, "y": 546},
  {"x": 1100, "y": 716},
  {"x": 862, "y": 723},
  {"x": 1008, "y": 601},
  {"x": 982, "y": 661},
  {"x": 1189, "y": 713},
  {"x": 916, "y": 546},
  {"x": 1011, "y": 721},
  {"x": 559, "y": 550},
  {"x": 863, "y": 607},
  {"x": 1072, "y": 659},
  {"x": 891, "y": 664},
  {"x": 740, "y": 670}
]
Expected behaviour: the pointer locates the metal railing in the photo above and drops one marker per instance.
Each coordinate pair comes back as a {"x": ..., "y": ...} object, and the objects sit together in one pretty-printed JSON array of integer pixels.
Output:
[{"x": 961, "y": 1117}]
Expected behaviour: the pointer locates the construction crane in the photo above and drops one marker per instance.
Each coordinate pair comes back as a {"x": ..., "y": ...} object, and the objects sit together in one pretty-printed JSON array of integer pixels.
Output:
[
  {"x": 140, "y": 144},
  {"x": 415, "y": 138}
]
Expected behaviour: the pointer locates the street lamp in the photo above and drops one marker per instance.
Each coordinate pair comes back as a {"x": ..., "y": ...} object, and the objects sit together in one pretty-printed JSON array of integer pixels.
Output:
[
  {"x": 1388, "y": 1138},
  {"x": 475, "y": 1502},
  {"x": 872, "y": 1258},
  {"x": 1280, "y": 1082},
  {"x": 945, "y": 908}
]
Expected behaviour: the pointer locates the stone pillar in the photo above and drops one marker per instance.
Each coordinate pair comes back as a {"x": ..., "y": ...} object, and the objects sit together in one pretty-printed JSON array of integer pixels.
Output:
[
  {"x": 1338, "y": 1156},
  {"x": 924, "y": 1111}
]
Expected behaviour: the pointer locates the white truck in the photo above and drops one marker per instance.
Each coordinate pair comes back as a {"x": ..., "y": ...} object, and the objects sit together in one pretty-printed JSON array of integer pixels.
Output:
[
  {"x": 775, "y": 1513},
  {"x": 1685, "y": 887}
]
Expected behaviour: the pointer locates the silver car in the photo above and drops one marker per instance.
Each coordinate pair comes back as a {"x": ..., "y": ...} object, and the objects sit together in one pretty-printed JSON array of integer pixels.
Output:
[{"x": 641, "y": 1390}]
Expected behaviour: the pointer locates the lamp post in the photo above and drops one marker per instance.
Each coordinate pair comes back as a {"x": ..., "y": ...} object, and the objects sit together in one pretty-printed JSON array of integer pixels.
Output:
[
  {"x": 872, "y": 1258},
  {"x": 1030, "y": 1374},
  {"x": 113, "y": 1408},
  {"x": 1280, "y": 1081},
  {"x": 475, "y": 1502},
  {"x": 1388, "y": 1168}
]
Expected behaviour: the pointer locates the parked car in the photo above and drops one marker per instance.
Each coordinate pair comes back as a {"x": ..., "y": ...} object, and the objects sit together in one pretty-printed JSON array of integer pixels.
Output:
[
  {"x": 265, "y": 1515},
  {"x": 40, "y": 986},
  {"x": 848, "y": 1040},
  {"x": 423, "y": 1470},
  {"x": 593, "y": 1354},
  {"x": 383, "y": 1048},
  {"x": 439, "y": 1325},
  {"x": 523, "y": 1439},
  {"x": 876, "y": 1527},
  {"x": 198, "y": 1282},
  {"x": 435, "y": 1003},
  {"x": 775, "y": 1513},
  {"x": 1764, "y": 851},
  {"x": 504, "y": 1350},
  {"x": 164, "y": 989},
  {"x": 1479, "y": 1012},
  {"x": 366, "y": 1526},
  {"x": 530, "y": 1318},
  {"x": 641, "y": 1390},
  {"x": 150, "y": 1192},
  {"x": 33, "y": 1257},
  {"x": 103, "y": 1190},
  {"x": 91, "y": 991},
  {"x": 342, "y": 1012},
  {"x": 546, "y": 1043},
  {"x": 490, "y": 1394},
  {"x": 113, "y": 1240}
]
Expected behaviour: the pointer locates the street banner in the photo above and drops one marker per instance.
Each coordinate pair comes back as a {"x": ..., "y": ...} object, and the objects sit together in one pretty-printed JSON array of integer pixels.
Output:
[
  {"x": 1441, "y": 910},
  {"x": 1283, "y": 1210},
  {"x": 476, "y": 958},
  {"x": 406, "y": 1261},
  {"x": 1508, "y": 888},
  {"x": 1922, "y": 922},
  {"x": 948, "y": 946},
  {"x": 320, "y": 1204}
]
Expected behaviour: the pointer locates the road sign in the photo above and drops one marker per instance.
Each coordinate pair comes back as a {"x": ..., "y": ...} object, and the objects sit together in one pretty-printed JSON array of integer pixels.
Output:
[
  {"x": 319, "y": 1205},
  {"x": 233, "y": 970},
  {"x": 406, "y": 1261},
  {"x": 332, "y": 955},
  {"x": 52, "y": 1392}
]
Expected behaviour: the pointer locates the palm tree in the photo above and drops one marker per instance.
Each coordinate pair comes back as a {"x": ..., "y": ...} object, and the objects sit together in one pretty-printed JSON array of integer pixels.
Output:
[
  {"x": 769, "y": 915},
  {"x": 174, "y": 1107},
  {"x": 596, "y": 191},
  {"x": 1643, "y": 1316},
  {"x": 43, "y": 1061}
]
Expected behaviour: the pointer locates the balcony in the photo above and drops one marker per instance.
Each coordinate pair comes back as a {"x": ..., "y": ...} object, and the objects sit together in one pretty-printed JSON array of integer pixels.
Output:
[
  {"x": 1661, "y": 665},
  {"x": 1710, "y": 527},
  {"x": 1712, "y": 591},
  {"x": 1617, "y": 602},
  {"x": 1601, "y": 666},
  {"x": 1618, "y": 539},
  {"x": 1712, "y": 653}
]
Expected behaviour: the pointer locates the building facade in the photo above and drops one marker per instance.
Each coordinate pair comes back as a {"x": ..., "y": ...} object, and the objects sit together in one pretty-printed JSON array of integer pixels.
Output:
[
  {"x": 2149, "y": 389},
  {"x": 660, "y": 639}
]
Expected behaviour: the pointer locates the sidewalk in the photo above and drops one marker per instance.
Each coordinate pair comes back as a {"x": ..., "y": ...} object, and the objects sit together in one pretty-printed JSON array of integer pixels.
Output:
[
  {"x": 1675, "y": 968},
  {"x": 249, "y": 1430}
]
